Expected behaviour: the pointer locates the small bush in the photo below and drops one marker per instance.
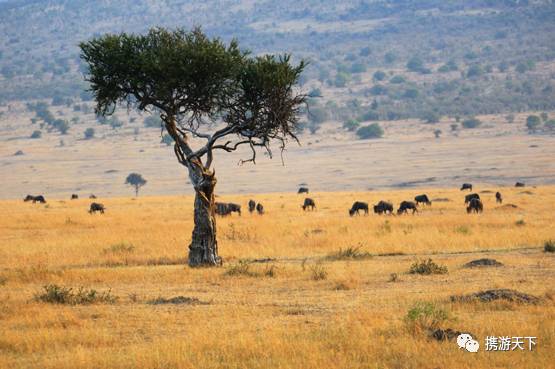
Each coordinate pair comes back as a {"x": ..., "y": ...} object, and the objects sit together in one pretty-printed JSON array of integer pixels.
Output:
[
  {"x": 549, "y": 246},
  {"x": 520, "y": 223},
  {"x": 372, "y": 131},
  {"x": 351, "y": 125},
  {"x": 318, "y": 272},
  {"x": 89, "y": 133},
  {"x": 36, "y": 134},
  {"x": 423, "y": 316},
  {"x": 240, "y": 269},
  {"x": 350, "y": 253},
  {"x": 427, "y": 267},
  {"x": 471, "y": 123},
  {"x": 119, "y": 248},
  {"x": 54, "y": 294},
  {"x": 393, "y": 277}
]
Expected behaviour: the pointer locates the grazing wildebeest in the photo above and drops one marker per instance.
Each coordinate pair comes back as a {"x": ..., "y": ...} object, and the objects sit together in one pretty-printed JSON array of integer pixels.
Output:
[
  {"x": 234, "y": 208},
  {"x": 260, "y": 208},
  {"x": 92, "y": 196},
  {"x": 498, "y": 198},
  {"x": 383, "y": 207},
  {"x": 222, "y": 209},
  {"x": 467, "y": 198},
  {"x": 475, "y": 205},
  {"x": 519, "y": 184},
  {"x": 252, "y": 206},
  {"x": 422, "y": 199},
  {"x": 406, "y": 206},
  {"x": 303, "y": 190},
  {"x": 74, "y": 196},
  {"x": 96, "y": 207},
  {"x": 35, "y": 199},
  {"x": 308, "y": 203},
  {"x": 466, "y": 186},
  {"x": 357, "y": 206}
]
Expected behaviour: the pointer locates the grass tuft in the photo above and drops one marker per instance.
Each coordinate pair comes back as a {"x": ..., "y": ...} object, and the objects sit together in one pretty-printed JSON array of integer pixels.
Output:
[
  {"x": 427, "y": 267},
  {"x": 54, "y": 294},
  {"x": 350, "y": 253},
  {"x": 549, "y": 246}
]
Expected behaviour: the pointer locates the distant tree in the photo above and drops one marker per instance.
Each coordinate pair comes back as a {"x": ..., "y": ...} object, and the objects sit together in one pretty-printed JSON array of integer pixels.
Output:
[
  {"x": 195, "y": 82},
  {"x": 411, "y": 93},
  {"x": 315, "y": 92},
  {"x": 454, "y": 127},
  {"x": 371, "y": 131},
  {"x": 503, "y": 66},
  {"x": 437, "y": 133},
  {"x": 397, "y": 80},
  {"x": 341, "y": 79},
  {"x": 89, "y": 133},
  {"x": 475, "y": 70},
  {"x": 136, "y": 180},
  {"x": 544, "y": 116},
  {"x": 378, "y": 89},
  {"x": 370, "y": 115},
  {"x": 471, "y": 123},
  {"x": 510, "y": 118},
  {"x": 358, "y": 68},
  {"x": 153, "y": 122},
  {"x": 379, "y": 75},
  {"x": 317, "y": 115},
  {"x": 36, "y": 134},
  {"x": 351, "y": 125},
  {"x": 390, "y": 57},
  {"x": 431, "y": 117},
  {"x": 115, "y": 122},
  {"x": 532, "y": 122},
  {"x": 415, "y": 64},
  {"x": 365, "y": 51},
  {"x": 61, "y": 125},
  {"x": 374, "y": 105}
]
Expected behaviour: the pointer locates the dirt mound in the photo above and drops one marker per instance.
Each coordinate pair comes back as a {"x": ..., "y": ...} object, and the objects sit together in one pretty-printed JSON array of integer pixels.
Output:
[
  {"x": 499, "y": 294},
  {"x": 445, "y": 334},
  {"x": 178, "y": 300},
  {"x": 508, "y": 207},
  {"x": 483, "y": 262}
]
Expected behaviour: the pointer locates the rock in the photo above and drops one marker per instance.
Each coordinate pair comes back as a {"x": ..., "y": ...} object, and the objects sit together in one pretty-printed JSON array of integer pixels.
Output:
[{"x": 483, "y": 262}]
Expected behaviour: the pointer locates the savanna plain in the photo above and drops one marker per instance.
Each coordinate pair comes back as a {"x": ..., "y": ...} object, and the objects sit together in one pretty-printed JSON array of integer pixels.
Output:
[{"x": 296, "y": 290}]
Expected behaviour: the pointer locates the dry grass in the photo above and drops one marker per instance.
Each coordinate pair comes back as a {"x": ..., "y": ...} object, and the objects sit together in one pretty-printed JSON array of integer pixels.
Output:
[{"x": 279, "y": 314}]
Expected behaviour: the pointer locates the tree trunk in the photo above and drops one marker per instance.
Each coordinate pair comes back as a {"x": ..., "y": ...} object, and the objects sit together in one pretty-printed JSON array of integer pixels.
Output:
[{"x": 203, "y": 250}]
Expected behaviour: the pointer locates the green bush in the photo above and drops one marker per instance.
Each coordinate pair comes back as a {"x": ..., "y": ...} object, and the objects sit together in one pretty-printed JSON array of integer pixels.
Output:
[
  {"x": 371, "y": 131},
  {"x": 351, "y": 125},
  {"x": 379, "y": 75},
  {"x": 89, "y": 133},
  {"x": 397, "y": 80},
  {"x": 549, "y": 246},
  {"x": 533, "y": 122},
  {"x": 55, "y": 294},
  {"x": 36, "y": 134},
  {"x": 427, "y": 267},
  {"x": 152, "y": 122},
  {"x": 423, "y": 316},
  {"x": 471, "y": 123}
]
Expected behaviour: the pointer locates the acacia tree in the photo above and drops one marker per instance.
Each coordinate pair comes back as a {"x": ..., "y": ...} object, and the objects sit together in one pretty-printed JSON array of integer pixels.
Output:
[
  {"x": 136, "y": 180},
  {"x": 201, "y": 88}
]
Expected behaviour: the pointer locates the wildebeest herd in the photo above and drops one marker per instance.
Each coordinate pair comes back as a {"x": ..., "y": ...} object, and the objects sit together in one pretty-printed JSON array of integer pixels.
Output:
[{"x": 472, "y": 202}]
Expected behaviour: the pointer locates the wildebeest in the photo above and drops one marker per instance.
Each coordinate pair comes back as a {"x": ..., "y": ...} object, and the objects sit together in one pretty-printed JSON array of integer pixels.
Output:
[
  {"x": 260, "y": 208},
  {"x": 96, "y": 207},
  {"x": 422, "y": 199},
  {"x": 224, "y": 209},
  {"x": 467, "y": 198},
  {"x": 475, "y": 205},
  {"x": 357, "y": 206},
  {"x": 466, "y": 186},
  {"x": 405, "y": 206},
  {"x": 252, "y": 206},
  {"x": 35, "y": 199},
  {"x": 74, "y": 196},
  {"x": 519, "y": 184},
  {"x": 308, "y": 203},
  {"x": 303, "y": 190},
  {"x": 383, "y": 207},
  {"x": 498, "y": 198},
  {"x": 92, "y": 196}
]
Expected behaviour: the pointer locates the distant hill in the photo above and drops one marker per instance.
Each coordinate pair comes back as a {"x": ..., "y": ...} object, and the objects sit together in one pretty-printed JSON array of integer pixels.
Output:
[{"x": 370, "y": 60}]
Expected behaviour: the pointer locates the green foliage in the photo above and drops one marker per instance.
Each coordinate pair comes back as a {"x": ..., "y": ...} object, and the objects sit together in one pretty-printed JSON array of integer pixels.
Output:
[
  {"x": 358, "y": 68},
  {"x": 316, "y": 92},
  {"x": 136, "y": 180},
  {"x": 431, "y": 117},
  {"x": 36, "y": 134},
  {"x": 370, "y": 115},
  {"x": 317, "y": 114},
  {"x": 341, "y": 79},
  {"x": 351, "y": 125},
  {"x": 471, "y": 123},
  {"x": 398, "y": 79},
  {"x": 61, "y": 125},
  {"x": 549, "y": 246},
  {"x": 379, "y": 75},
  {"x": 378, "y": 89},
  {"x": 423, "y": 316},
  {"x": 411, "y": 93},
  {"x": 54, "y": 294},
  {"x": 533, "y": 122},
  {"x": 89, "y": 133},
  {"x": 371, "y": 131},
  {"x": 427, "y": 267},
  {"x": 475, "y": 70}
]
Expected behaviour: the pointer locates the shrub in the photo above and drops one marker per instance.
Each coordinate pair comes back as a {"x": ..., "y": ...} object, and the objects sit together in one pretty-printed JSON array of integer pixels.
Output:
[
  {"x": 424, "y": 316},
  {"x": 371, "y": 131},
  {"x": 350, "y": 253},
  {"x": 437, "y": 133},
  {"x": 351, "y": 125},
  {"x": 55, "y": 294},
  {"x": 36, "y": 134},
  {"x": 378, "y": 90},
  {"x": 431, "y": 117},
  {"x": 152, "y": 122},
  {"x": 369, "y": 115},
  {"x": 427, "y": 267},
  {"x": 89, "y": 133},
  {"x": 549, "y": 246},
  {"x": 316, "y": 92},
  {"x": 532, "y": 122},
  {"x": 415, "y": 64},
  {"x": 471, "y": 123},
  {"x": 379, "y": 75},
  {"x": 411, "y": 93},
  {"x": 318, "y": 272},
  {"x": 397, "y": 80}
]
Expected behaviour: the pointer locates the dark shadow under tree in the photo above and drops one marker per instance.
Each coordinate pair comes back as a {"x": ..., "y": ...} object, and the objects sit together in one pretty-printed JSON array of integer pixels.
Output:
[{"x": 201, "y": 88}]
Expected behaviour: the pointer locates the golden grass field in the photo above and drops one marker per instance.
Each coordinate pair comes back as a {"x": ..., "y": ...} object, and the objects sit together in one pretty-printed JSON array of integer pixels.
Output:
[{"x": 352, "y": 317}]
